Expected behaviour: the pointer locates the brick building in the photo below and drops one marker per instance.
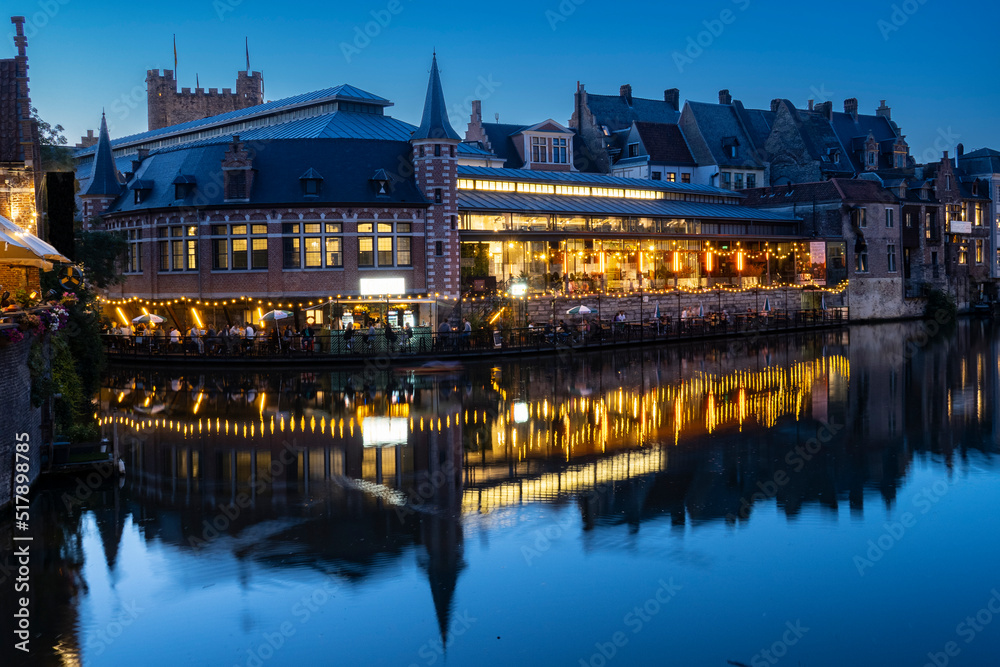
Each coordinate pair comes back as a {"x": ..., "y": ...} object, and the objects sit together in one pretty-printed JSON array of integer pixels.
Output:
[
  {"x": 167, "y": 106},
  {"x": 20, "y": 179}
]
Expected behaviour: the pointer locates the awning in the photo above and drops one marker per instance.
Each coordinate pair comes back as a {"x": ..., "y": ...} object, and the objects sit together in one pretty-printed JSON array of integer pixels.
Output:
[{"x": 23, "y": 248}]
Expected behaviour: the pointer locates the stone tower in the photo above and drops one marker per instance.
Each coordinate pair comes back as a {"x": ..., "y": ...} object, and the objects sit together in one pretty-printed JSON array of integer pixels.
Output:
[
  {"x": 435, "y": 161},
  {"x": 104, "y": 186},
  {"x": 167, "y": 106}
]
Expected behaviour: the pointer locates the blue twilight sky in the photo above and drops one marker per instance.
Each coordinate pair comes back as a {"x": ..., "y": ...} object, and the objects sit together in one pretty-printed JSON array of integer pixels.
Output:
[{"x": 934, "y": 62}]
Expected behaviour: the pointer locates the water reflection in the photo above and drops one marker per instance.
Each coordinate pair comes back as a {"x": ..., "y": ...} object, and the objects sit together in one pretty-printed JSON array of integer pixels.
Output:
[{"x": 246, "y": 481}]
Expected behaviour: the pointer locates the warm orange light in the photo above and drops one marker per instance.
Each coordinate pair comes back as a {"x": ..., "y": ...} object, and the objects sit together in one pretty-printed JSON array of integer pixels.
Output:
[
  {"x": 676, "y": 263},
  {"x": 739, "y": 260},
  {"x": 708, "y": 260}
]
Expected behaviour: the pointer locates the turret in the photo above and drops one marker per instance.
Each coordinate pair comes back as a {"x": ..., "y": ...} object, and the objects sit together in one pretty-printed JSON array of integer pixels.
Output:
[{"x": 105, "y": 185}]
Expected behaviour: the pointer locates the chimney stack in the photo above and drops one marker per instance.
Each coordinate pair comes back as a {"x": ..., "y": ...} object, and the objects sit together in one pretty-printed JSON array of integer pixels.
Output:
[
  {"x": 825, "y": 108},
  {"x": 725, "y": 97},
  {"x": 960, "y": 149},
  {"x": 477, "y": 111},
  {"x": 811, "y": 104},
  {"x": 884, "y": 111},
  {"x": 775, "y": 103},
  {"x": 672, "y": 96},
  {"x": 851, "y": 107},
  {"x": 626, "y": 92}
]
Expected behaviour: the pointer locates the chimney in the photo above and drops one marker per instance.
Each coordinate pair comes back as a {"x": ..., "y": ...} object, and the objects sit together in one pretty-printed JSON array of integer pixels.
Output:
[
  {"x": 725, "y": 97},
  {"x": 825, "y": 108},
  {"x": 672, "y": 96},
  {"x": 811, "y": 104},
  {"x": 626, "y": 92},
  {"x": 851, "y": 107},
  {"x": 884, "y": 111},
  {"x": 143, "y": 153},
  {"x": 775, "y": 103},
  {"x": 960, "y": 149},
  {"x": 477, "y": 111}
]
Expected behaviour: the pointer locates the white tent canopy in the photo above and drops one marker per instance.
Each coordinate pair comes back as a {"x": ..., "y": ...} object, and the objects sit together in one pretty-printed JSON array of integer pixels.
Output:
[{"x": 21, "y": 248}]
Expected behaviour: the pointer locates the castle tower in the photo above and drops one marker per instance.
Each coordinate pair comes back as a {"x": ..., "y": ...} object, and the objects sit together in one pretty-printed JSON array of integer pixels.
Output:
[
  {"x": 435, "y": 161},
  {"x": 166, "y": 106},
  {"x": 104, "y": 185},
  {"x": 20, "y": 163}
]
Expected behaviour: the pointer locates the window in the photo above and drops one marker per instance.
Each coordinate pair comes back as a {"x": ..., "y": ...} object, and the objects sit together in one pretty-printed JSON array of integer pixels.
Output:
[
  {"x": 928, "y": 224},
  {"x": 236, "y": 184},
  {"x": 685, "y": 177},
  {"x": 947, "y": 182},
  {"x": 862, "y": 263},
  {"x": 385, "y": 251},
  {"x": 934, "y": 258},
  {"x": 890, "y": 258},
  {"x": 238, "y": 250},
  {"x": 872, "y": 158},
  {"x": 437, "y": 195},
  {"x": 859, "y": 217},
  {"x": 366, "y": 254},
  {"x": 727, "y": 179},
  {"x": 657, "y": 176},
  {"x": 421, "y": 151},
  {"x": 559, "y": 154},
  {"x": 732, "y": 151},
  {"x": 963, "y": 254},
  {"x": 908, "y": 217},
  {"x": 889, "y": 217},
  {"x": 437, "y": 150},
  {"x": 538, "y": 150},
  {"x": 192, "y": 254},
  {"x": 751, "y": 180},
  {"x": 978, "y": 215},
  {"x": 176, "y": 252},
  {"x": 133, "y": 258},
  {"x": 738, "y": 181},
  {"x": 979, "y": 251},
  {"x": 633, "y": 150},
  {"x": 439, "y": 248},
  {"x": 307, "y": 244},
  {"x": 311, "y": 186},
  {"x": 403, "y": 256}
]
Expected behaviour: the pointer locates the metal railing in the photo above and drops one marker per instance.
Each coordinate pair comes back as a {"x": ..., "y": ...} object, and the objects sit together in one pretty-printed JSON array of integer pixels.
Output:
[{"x": 477, "y": 343}]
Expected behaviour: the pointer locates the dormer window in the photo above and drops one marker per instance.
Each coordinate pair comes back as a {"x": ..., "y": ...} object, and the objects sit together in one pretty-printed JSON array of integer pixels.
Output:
[
  {"x": 730, "y": 146},
  {"x": 236, "y": 184},
  {"x": 183, "y": 186},
  {"x": 311, "y": 182},
  {"x": 381, "y": 184},
  {"x": 872, "y": 157},
  {"x": 633, "y": 150},
  {"x": 142, "y": 190}
]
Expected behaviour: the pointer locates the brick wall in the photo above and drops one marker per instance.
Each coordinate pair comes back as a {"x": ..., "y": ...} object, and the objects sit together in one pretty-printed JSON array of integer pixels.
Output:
[
  {"x": 18, "y": 415},
  {"x": 13, "y": 278},
  {"x": 433, "y": 173},
  {"x": 168, "y": 107}
]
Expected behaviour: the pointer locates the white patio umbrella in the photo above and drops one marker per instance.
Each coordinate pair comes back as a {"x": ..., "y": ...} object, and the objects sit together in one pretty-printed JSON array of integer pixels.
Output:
[
  {"x": 148, "y": 319},
  {"x": 274, "y": 315},
  {"x": 579, "y": 310},
  {"x": 43, "y": 250}
]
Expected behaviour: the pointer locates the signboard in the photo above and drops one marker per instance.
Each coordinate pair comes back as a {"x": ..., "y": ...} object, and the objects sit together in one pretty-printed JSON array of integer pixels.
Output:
[
  {"x": 385, "y": 431},
  {"x": 380, "y": 286},
  {"x": 960, "y": 226}
]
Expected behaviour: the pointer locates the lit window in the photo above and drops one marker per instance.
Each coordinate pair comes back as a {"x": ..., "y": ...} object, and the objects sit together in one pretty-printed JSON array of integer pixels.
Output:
[
  {"x": 334, "y": 256},
  {"x": 314, "y": 252},
  {"x": 539, "y": 150},
  {"x": 366, "y": 254},
  {"x": 559, "y": 154}
]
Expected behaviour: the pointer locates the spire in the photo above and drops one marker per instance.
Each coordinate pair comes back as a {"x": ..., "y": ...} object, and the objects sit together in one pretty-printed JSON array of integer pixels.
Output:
[
  {"x": 105, "y": 174},
  {"x": 434, "y": 124}
]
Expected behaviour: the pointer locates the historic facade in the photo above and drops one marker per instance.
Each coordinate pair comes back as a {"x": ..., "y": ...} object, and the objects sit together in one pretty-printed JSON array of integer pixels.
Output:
[{"x": 168, "y": 106}]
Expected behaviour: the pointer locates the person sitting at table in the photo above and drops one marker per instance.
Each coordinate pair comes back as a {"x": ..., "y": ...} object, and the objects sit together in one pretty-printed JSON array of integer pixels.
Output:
[
  {"x": 286, "y": 338},
  {"x": 390, "y": 337},
  {"x": 444, "y": 334},
  {"x": 349, "y": 336},
  {"x": 406, "y": 337},
  {"x": 308, "y": 336},
  {"x": 158, "y": 336},
  {"x": 250, "y": 334},
  {"x": 175, "y": 338}
]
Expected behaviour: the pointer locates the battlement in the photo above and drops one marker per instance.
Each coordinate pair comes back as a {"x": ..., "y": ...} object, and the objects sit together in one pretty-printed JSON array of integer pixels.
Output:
[{"x": 168, "y": 106}]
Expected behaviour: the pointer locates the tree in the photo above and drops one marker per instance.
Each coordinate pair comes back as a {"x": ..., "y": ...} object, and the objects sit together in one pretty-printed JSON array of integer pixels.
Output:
[
  {"x": 56, "y": 154},
  {"x": 101, "y": 254}
]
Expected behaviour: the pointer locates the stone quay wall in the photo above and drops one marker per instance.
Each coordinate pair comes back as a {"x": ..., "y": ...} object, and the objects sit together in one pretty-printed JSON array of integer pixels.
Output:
[{"x": 17, "y": 415}]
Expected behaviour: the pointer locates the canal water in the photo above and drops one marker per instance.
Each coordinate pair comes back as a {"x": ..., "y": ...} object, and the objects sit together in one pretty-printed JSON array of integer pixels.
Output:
[{"x": 822, "y": 499}]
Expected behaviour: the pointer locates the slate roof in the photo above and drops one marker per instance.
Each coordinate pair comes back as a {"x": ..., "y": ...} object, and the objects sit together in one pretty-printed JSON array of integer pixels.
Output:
[
  {"x": 982, "y": 161},
  {"x": 512, "y": 201},
  {"x": 716, "y": 121},
  {"x": 835, "y": 189},
  {"x": 665, "y": 143},
  {"x": 756, "y": 122},
  {"x": 347, "y": 166},
  {"x": 344, "y": 91},
  {"x": 615, "y": 112},
  {"x": 104, "y": 180},
  {"x": 847, "y": 129},
  {"x": 434, "y": 123},
  {"x": 499, "y": 135},
  {"x": 599, "y": 180}
]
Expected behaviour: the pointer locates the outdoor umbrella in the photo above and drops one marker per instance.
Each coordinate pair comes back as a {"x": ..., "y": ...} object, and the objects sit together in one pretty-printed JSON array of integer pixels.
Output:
[
  {"x": 701, "y": 310},
  {"x": 15, "y": 251},
  {"x": 42, "y": 249},
  {"x": 579, "y": 310},
  {"x": 148, "y": 318},
  {"x": 656, "y": 313},
  {"x": 767, "y": 304},
  {"x": 274, "y": 315},
  {"x": 822, "y": 301}
]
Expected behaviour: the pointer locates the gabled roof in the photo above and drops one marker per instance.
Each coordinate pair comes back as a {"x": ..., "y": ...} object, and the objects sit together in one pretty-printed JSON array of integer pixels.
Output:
[
  {"x": 434, "y": 123},
  {"x": 847, "y": 128},
  {"x": 982, "y": 161},
  {"x": 547, "y": 125},
  {"x": 665, "y": 143},
  {"x": 717, "y": 122},
  {"x": 615, "y": 112},
  {"x": 105, "y": 176},
  {"x": 833, "y": 190},
  {"x": 499, "y": 135}
]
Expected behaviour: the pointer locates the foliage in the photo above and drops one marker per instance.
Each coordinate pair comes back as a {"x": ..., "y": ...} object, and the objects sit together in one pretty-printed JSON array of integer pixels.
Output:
[
  {"x": 940, "y": 306},
  {"x": 101, "y": 254},
  {"x": 56, "y": 154},
  {"x": 10, "y": 335},
  {"x": 72, "y": 406},
  {"x": 24, "y": 299}
]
